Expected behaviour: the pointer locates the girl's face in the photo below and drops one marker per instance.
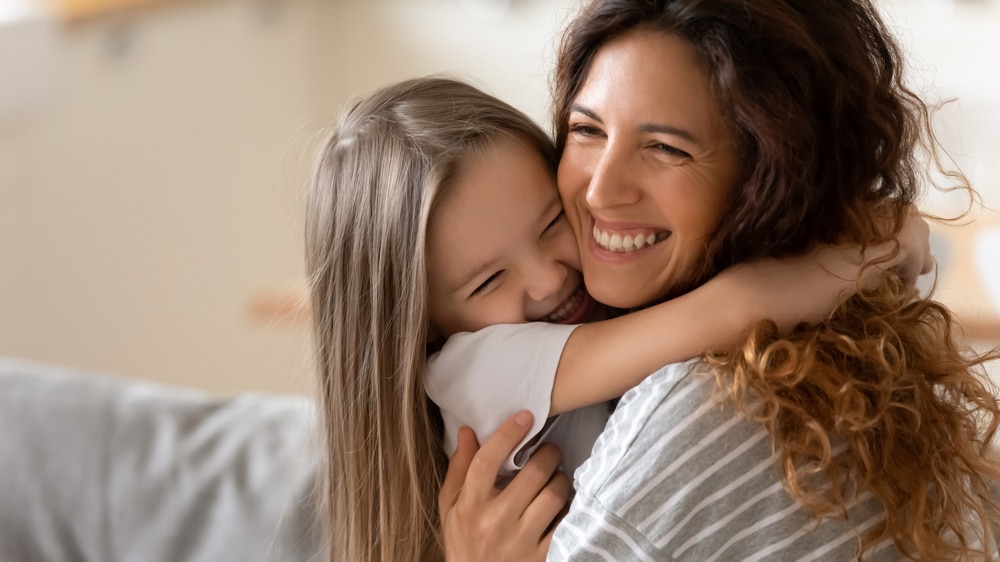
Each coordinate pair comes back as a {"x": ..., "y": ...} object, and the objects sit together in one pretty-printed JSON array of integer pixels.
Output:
[
  {"x": 499, "y": 249},
  {"x": 647, "y": 168}
]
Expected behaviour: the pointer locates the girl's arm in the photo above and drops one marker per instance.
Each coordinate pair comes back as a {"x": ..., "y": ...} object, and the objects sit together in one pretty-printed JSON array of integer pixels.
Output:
[{"x": 602, "y": 360}]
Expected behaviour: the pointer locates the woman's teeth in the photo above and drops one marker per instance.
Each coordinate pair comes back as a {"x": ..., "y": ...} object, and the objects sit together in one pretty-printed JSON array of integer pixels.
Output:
[
  {"x": 566, "y": 308},
  {"x": 615, "y": 242}
]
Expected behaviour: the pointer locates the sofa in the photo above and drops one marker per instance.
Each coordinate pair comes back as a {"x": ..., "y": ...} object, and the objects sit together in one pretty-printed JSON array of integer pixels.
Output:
[{"x": 104, "y": 469}]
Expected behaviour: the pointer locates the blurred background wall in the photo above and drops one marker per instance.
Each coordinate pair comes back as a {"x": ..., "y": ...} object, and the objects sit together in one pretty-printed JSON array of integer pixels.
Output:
[{"x": 153, "y": 162}]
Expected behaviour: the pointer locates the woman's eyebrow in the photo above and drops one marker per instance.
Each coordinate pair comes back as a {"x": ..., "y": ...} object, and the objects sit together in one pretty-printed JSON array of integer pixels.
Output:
[
  {"x": 586, "y": 111},
  {"x": 645, "y": 127},
  {"x": 668, "y": 130}
]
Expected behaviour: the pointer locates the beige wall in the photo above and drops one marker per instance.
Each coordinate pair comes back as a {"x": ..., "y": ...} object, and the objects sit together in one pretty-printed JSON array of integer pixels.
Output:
[
  {"x": 951, "y": 45},
  {"x": 152, "y": 188},
  {"x": 150, "y": 193}
]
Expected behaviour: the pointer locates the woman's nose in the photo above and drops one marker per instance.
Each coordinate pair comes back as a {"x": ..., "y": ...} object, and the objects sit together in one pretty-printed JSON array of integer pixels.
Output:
[
  {"x": 545, "y": 280},
  {"x": 612, "y": 181}
]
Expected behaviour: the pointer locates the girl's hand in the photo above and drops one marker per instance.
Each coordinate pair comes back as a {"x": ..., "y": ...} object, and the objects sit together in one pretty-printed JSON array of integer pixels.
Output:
[
  {"x": 909, "y": 255},
  {"x": 808, "y": 288},
  {"x": 481, "y": 522},
  {"x": 914, "y": 258}
]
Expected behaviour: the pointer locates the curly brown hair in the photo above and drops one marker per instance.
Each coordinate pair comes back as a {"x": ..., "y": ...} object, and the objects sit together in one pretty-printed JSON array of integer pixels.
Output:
[{"x": 829, "y": 139}]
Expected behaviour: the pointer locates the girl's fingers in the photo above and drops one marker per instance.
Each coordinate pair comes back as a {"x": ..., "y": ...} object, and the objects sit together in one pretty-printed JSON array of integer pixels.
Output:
[
  {"x": 458, "y": 467},
  {"x": 916, "y": 249},
  {"x": 485, "y": 466},
  {"x": 547, "y": 506},
  {"x": 928, "y": 262},
  {"x": 532, "y": 479}
]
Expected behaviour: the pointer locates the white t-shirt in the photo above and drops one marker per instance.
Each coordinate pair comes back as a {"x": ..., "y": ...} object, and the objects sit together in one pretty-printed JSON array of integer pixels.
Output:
[{"x": 479, "y": 379}]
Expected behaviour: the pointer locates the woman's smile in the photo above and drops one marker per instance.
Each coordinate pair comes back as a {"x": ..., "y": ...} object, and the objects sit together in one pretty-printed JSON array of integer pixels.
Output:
[{"x": 625, "y": 240}]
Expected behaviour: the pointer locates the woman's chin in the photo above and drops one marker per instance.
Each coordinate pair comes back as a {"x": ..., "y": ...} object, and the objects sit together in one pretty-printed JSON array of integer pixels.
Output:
[{"x": 611, "y": 291}]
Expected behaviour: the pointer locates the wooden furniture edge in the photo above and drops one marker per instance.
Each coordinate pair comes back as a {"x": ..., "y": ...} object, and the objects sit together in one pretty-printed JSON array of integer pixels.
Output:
[{"x": 75, "y": 11}]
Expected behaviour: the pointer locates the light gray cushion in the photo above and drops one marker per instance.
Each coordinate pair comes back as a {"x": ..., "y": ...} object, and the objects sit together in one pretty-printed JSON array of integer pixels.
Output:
[{"x": 94, "y": 468}]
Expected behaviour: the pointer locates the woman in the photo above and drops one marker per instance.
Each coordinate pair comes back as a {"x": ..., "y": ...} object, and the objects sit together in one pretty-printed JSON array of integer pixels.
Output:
[{"x": 751, "y": 129}]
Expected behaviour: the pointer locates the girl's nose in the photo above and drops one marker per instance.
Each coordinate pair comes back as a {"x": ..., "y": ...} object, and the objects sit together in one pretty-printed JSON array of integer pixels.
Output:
[{"x": 545, "y": 280}]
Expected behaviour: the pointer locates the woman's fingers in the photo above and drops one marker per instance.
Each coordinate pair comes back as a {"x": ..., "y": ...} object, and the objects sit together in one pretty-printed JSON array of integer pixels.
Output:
[
  {"x": 480, "y": 521},
  {"x": 548, "y": 506},
  {"x": 486, "y": 463},
  {"x": 458, "y": 467},
  {"x": 527, "y": 484}
]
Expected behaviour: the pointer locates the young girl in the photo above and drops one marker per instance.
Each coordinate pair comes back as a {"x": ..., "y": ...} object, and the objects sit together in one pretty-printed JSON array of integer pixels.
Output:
[{"x": 433, "y": 214}]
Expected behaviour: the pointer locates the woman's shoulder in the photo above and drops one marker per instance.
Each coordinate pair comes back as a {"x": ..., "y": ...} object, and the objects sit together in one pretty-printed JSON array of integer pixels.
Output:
[
  {"x": 671, "y": 383},
  {"x": 684, "y": 474},
  {"x": 671, "y": 406}
]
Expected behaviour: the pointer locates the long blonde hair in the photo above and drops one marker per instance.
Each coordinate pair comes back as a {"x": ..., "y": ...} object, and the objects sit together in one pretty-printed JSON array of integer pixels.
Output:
[
  {"x": 829, "y": 136},
  {"x": 373, "y": 188}
]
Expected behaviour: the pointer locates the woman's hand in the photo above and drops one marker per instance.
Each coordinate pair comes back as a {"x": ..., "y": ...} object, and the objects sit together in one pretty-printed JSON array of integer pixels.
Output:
[{"x": 481, "y": 522}]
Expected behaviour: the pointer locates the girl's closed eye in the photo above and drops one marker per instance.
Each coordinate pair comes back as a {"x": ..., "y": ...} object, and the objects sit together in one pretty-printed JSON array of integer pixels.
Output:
[
  {"x": 558, "y": 219},
  {"x": 486, "y": 285}
]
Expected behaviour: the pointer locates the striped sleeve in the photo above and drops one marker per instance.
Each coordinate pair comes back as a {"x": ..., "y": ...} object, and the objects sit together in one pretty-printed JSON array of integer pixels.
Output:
[{"x": 677, "y": 475}]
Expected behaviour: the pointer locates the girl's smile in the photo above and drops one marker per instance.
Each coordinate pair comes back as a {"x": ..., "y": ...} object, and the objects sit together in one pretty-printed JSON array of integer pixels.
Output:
[
  {"x": 499, "y": 249},
  {"x": 576, "y": 309}
]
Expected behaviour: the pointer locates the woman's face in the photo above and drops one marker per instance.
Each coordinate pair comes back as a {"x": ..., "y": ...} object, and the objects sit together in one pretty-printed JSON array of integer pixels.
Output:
[{"x": 647, "y": 168}]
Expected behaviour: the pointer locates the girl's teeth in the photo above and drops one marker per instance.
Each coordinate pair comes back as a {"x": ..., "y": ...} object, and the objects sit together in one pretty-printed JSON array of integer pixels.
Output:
[{"x": 565, "y": 309}]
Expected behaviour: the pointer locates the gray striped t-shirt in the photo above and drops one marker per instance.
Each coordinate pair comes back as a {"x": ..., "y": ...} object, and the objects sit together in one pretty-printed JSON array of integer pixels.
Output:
[{"x": 677, "y": 475}]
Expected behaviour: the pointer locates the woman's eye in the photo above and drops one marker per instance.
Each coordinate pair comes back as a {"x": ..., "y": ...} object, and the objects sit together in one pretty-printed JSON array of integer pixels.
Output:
[
  {"x": 584, "y": 130},
  {"x": 486, "y": 284},
  {"x": 559, "y": 218},
  {"x": 670, "y": 150}
]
